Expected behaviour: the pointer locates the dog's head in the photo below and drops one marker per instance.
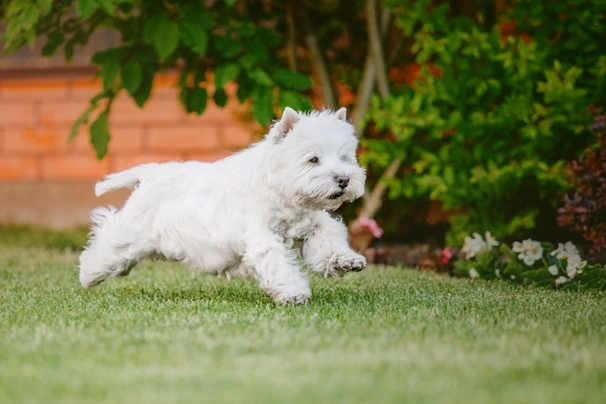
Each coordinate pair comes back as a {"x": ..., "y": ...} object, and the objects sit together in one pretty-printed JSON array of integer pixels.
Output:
[{"x": 313, "y": 160}]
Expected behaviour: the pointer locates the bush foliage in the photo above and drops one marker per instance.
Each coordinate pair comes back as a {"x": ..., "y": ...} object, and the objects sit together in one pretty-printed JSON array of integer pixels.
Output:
[
  {"x": 492, "y": 119},
  {"x": 235, "y": 41},
  {"x": 584, "y": 207}
]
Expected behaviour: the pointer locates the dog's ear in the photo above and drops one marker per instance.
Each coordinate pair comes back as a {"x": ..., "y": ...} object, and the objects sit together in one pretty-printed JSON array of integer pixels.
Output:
[
  {"x": 341, "y": 114},
  {"x": 289, "y": 118}
]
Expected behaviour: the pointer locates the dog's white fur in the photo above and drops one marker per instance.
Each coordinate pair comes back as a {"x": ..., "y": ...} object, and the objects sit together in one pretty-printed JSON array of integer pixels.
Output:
[{"x": 241, "y": 215}]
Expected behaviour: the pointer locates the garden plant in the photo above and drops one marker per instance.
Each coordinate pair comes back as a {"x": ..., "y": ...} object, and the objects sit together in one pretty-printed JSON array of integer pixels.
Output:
[{"x": 503, "y": 99}]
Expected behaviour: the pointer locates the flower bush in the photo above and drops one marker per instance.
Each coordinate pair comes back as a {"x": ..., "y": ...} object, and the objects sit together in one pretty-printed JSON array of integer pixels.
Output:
[
  {"x": 493, "y": 115},
  {"x": 529, "y": 262}
]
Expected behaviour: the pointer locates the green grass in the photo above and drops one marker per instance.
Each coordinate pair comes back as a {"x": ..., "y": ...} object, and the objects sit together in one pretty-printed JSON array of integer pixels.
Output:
[{"x": 386, "y": 335}]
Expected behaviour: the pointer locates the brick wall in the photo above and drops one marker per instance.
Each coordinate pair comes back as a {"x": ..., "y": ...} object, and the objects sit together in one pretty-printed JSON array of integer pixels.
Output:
[
  {"x": 37, "y": 111},
  {"x": 45, "y": 181}
]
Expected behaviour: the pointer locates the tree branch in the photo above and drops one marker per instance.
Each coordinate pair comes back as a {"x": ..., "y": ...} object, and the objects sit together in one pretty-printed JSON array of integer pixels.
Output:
[
  {"x": 291, "y": 41},
  {"x": 376, "y": 48},
  {"x": 329, "y": 93},
  {"x": 373, "y": 69}
]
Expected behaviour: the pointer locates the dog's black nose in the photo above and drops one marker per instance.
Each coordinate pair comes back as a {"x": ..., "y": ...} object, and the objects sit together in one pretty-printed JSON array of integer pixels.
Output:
[{"x": 342, "y": 180}]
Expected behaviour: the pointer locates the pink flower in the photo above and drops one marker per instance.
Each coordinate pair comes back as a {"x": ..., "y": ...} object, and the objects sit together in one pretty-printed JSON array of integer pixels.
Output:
[
  {"x": 372, "y": 226},
  {"x": 446, "y": 255}
]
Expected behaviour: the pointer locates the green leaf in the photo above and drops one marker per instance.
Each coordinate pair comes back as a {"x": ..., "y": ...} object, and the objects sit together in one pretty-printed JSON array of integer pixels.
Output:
[
  {"x": 245, "y": 89},
  {"x": 538, "y": 275},
  {"x": 109, "y": 55},
  {"x": 596, "y": 284},
  {"x": 132, "y": 76},
  {"x": 163, "y": 34},
  {"x": 83, "y": 119},
  {"x": 262, "y": 107},
  {"x": 85, "y": 8},
  {"x": 13, "y": 45},
  {"x": 45, "y": 5},
  {"x": 184, "y": 95},
  {"x": 99, "y": 134},
  {"x": 29, "y": 17},
  {"x": 109, "y": 73},
  {"x": 226, "y": 73},
  {"x": 293, "y": 80},
  {"x": 194, "y": 38},
  {"x": 198, "y": 99},
  {"x": 220, "y": 97},
  {"x": 109, "y": 6},
  {"x": 193, "y": 29},
  {"x": 268, "y": 37},
  {"x": 294, "y": 100},
  {"x": 142, "y": 94},
  {"x": 53, "y": 42},
  {"x": 226, "y": 45},
  {"x": 260, "y": 77},
  {"x": 14, "y": 8},
  {"x": 13, "y": 28}
]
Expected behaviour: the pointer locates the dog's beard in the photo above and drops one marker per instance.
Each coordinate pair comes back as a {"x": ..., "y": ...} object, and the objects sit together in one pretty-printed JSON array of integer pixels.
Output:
[{"x": 329, "y": 198}]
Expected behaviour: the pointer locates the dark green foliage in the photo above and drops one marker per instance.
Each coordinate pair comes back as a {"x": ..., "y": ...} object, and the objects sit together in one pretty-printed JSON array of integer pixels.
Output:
[
  {"x": 584, "y": 207},
  {"x": 488, "y": 127},
  {"x": 238, "y": 42}
]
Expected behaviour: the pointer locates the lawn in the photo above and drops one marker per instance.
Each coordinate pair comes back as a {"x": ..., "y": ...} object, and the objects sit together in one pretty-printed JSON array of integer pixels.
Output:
[{"x": 386, "y": 335}]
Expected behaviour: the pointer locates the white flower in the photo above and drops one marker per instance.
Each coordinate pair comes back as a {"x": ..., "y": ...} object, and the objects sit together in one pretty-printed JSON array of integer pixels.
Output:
[
  {"x": 574, "y": 267},
  {"x": 561, "y": 280},
  {"x": 530, "y": 251},
  {"x": 553, "y": 270},
  {"x": 513, "y": 277},
  {"x": 566, "y": 251},
  {"x": 535, "y": 250},
  {"x": 473, "y": 273},
  {"x": 473, "y": 245},
  {"x": 490, "y": 240},
  {"x": 518, "y": 247}
]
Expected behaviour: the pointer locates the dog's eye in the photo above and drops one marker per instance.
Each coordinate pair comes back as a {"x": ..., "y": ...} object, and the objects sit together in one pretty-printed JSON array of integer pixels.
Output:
[{"x": 314, "y": 160}]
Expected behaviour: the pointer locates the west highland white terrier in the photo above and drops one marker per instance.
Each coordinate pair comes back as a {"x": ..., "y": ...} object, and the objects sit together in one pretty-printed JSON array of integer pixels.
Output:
[{"x": 260, "y": 212}]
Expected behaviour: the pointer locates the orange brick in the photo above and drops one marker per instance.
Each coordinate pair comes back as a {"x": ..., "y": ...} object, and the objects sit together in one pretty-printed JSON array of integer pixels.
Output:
[
  {"x": 156, "y": 110},
  {"x": 61, "y": 112},
  {"x": 212, "y": 114},
  {"x": 122, "y": 139},
  {"x": 35, "y": 140},
  {"x": 84, "y": 88},
  {"x": 169, "y": 79},
  {"x": 121, "y": 162},
  {"x": 238, "y": 136},
  {"x": 183, "y": 138},
  {"x": 33, "y": 89},
  {"x": 73, "y": 167},
  {"x": 17, "y": 113},
  {"x": 208, "y": 156},
  {"x": 18, "y": 168}
]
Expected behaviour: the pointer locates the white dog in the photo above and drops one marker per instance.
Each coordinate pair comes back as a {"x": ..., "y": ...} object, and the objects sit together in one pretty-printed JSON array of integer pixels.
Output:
[{"x": 241, "y": 215}]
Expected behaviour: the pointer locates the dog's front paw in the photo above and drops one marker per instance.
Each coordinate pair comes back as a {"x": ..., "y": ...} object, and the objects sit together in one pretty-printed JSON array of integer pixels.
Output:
[
  {"x": 350, "y": 262},
  {"x": 296, "y": 299}
]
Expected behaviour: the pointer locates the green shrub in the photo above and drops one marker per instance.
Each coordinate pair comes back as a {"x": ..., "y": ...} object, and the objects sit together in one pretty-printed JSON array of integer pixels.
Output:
[{"x": 486, "y": 130}]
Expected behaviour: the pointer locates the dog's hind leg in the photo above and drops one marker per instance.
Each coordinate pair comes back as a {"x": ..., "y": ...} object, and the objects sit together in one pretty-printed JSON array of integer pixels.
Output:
[{"x": 114, "y": 248}]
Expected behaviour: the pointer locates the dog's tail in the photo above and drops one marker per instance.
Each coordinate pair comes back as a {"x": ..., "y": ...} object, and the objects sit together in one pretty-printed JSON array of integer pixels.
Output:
[{"x": 125, "y": 179}]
